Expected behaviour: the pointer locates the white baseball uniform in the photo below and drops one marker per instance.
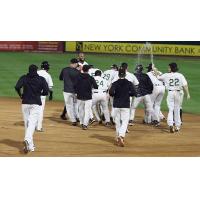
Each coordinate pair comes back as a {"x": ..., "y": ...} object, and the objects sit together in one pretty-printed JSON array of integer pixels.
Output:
[
  {"x": 49, "y": 81},
  {"x": 174, "y": 83},
  {"x": 30, "y": 116},
  {"x": 129, "y": 76},
  {"x": 100, "y": 97},
  {"x": 92, "y": 71},
  {"x": 156, "y": 96},
  {"x": 109, "y": 75},
  {"x": 84, "y": 111}
]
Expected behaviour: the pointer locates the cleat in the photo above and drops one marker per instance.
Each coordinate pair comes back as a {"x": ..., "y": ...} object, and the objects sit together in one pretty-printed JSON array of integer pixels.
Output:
[
  {"x": 74, "y": 123},
  {"x": 84, "y": 127},
  {"x": 77, "y": 119},
  {"x": 26, "y": 147},
  {"x": 177, "y": 129},
  {"x": 131, "y": 123},
  {"x": 63, "y": 117},
  {"x": 120, "y": 141},
  {"x": 40, "y": 130},
  {"x": 107, "y": 124},
  {"x": 91, "y": 121},
  {"x": 171, "y": 129},
  {"x": 156, "y": 123}
]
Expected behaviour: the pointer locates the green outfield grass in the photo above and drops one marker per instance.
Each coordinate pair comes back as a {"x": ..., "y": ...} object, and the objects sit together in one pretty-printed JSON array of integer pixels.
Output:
[{"x": 13, "y": 65}]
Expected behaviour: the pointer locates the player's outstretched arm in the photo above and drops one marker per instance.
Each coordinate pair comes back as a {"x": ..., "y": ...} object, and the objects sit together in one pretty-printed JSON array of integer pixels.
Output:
[{"x": 186, "y": 89}]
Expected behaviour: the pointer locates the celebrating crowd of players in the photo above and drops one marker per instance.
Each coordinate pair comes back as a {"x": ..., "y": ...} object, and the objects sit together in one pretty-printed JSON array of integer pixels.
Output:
[{"x": 110, "y": 97}]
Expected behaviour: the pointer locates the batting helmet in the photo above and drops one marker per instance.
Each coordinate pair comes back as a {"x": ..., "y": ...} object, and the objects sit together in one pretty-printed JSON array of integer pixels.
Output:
[
  {"x": 173, "y": 67},
  {"x": 45, "y": 65},
  {"x": 139, "y": 68},
  {"x": 98, "y": 73}
]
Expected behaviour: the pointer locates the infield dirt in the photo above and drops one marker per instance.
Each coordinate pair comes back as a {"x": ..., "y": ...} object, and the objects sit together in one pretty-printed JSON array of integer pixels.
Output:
[{"x": 61, "y": 139}]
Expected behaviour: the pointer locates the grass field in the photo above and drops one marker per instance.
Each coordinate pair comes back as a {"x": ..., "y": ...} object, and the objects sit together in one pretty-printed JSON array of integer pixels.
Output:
[{"x": 15, "y": 64}]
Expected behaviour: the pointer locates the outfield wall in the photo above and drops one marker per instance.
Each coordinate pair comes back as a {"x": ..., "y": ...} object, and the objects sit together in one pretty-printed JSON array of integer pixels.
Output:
[
  {"x": 132, "y": 48},
  {"x": 37, "y": 46}
]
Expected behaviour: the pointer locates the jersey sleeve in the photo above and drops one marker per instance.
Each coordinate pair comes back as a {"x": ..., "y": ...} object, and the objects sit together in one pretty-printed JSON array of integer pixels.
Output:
[
  {"x": 50, "y": 82},
  {"x": 184, "y": 82},
  {"x": 161, "y": 77},
  {"x": 135, "y": 81}
]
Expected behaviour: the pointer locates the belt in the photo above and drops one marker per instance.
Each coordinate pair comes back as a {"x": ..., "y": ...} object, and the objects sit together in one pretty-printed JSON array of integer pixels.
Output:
[
  {"x": 174, "y": 90},
  {"x": 99, "y": 92}
]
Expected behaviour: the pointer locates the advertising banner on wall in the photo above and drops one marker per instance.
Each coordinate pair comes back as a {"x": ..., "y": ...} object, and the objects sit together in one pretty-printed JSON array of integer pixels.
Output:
[
  {"x": 133, "y": 48},
  {"x": 48, "y": 46}
]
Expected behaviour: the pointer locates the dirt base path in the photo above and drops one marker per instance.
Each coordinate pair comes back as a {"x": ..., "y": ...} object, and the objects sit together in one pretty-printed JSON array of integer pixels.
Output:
[{"x": 62, "y": 139}]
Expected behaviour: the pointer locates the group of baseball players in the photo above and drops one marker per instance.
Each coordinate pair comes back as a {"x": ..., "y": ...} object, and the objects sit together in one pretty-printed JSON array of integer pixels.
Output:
[{"x": 109, "y": 98}]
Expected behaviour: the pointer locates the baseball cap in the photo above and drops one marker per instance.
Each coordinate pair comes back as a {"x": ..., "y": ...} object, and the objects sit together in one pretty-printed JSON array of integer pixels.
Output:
[
  {"x": 139, "y": 68},
  {"x": 45, "y": 65},
  {"x": 114, "y": 66},
  {"x": 86, "y": 68},
  {"x": 74, "y": 61}
]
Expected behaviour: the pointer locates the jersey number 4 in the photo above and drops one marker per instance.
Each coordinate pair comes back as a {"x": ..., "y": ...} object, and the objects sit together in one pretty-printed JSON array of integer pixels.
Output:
[{"x": 173, "y": 82}]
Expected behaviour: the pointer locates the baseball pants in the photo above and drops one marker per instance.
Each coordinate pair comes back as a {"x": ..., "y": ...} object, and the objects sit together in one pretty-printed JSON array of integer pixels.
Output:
[
  {"x": 100, "y": 98},
  {"x": 84, "y": 111},
  {"x": 121, "y": 120},
  {"x": 156, "y": 99},
  {"x": 30, "y": 115},
  {"x": 173, "y": 103},
  {"x": 148, "y": 107},
  {"x": 70, "y": 105},
  {"x": 41, "y": 113}
]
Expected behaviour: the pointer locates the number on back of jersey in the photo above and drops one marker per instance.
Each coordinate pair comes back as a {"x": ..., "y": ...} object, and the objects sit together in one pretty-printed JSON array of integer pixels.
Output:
[
  {"x": 99, "y": 83},
  {"x": 106, "y": 76},
  {"x": 174, "y": 82}
]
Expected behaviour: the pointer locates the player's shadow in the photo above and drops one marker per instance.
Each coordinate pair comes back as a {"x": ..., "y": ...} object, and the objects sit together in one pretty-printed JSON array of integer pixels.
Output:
[
  {"x": 19, "y": 123},
  {"x": 58, "y": 120},
  {"x": 12, "y": 143},
  {"x": 103, "y": 138}
]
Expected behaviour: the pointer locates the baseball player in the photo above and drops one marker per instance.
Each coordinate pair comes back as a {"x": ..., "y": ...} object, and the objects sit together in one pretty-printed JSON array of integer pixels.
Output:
[
  {"x": 156, "y": 96},
  {"x": 174, "y": 82},
  {"x": 44, "y": 73},
  {"x": 33, "y": 87},
  {"x": 83, "y": 89},
  {"x": 109, "y": 74},
  {"x": 129, "y": 76},
  {"x": 69, "y": 75},
  {"x": 100, "y": 97},
  {"x": 121, "y": 90},
  {"x": 92, "y": 70},
  {"x": 144, "y": 90},
  {"x": 81, "y": 62}
]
